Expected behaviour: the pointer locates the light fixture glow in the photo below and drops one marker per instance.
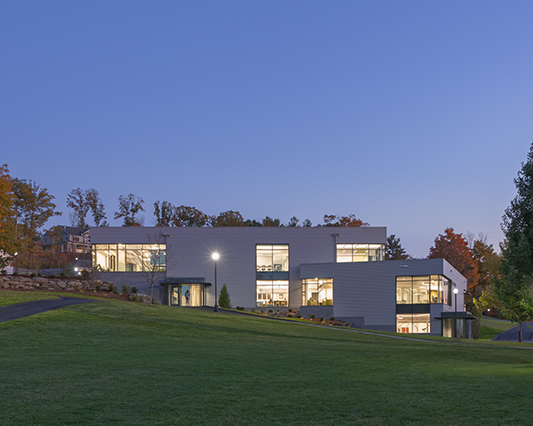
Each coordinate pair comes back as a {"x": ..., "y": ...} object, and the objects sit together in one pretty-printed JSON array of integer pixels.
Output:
[
  {"x": 215, "y": 256},
  {"x": 455, "y": 290}
]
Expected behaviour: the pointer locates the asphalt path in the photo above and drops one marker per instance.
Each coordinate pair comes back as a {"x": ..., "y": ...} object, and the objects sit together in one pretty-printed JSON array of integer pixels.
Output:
[
  {"x": 27, "y": 309},
  {"x": 511, "y": 335}
]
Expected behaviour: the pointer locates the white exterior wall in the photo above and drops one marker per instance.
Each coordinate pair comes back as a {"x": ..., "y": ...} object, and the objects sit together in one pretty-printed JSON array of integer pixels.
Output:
[
  {"x": 368, "y": 289},
  {"x": 189, "y": 252}
]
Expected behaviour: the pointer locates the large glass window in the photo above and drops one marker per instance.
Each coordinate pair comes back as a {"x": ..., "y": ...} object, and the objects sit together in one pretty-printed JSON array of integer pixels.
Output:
[
  {"x": 413, "y": 323},
  {"x": 360, "y": 252},
  {"x": 273, "y": 293},
  {"x": 422, "y": 289},
  {"x": 272, "y": 258},
  {"x": 129, "y": 257},
  {"x": 317, "y": 292}
]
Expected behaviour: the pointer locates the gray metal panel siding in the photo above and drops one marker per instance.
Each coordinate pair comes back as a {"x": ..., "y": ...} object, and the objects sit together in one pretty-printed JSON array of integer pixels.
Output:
[
  {"x": 189, "y": 252},
  {"x": 369, "y": 288}
]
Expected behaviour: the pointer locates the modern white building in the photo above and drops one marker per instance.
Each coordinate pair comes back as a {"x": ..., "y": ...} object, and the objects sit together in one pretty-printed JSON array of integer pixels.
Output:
[{"x": 328, "y": 271}]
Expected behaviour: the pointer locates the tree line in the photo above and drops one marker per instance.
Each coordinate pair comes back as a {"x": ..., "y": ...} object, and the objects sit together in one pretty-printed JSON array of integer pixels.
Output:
[{"x": 501, "y": 281}]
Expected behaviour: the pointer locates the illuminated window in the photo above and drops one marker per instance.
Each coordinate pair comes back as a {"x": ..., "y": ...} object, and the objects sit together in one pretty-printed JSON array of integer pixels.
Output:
[
  {"x": 272, "y": 258},
  {"x": 317, "y": 292},
  {"x": 413, "y": 323},
  {"x": 273, "y": 293},
  {"x": 422, "y": 289},
  {"x": 129, "y": 257},
  {"x": 360, "y": 252}
]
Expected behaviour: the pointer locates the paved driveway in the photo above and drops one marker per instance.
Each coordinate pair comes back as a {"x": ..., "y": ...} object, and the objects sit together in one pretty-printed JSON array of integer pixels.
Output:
[
  {"x": 27, "y": 309},
  {"x": 511, "y": 335}
]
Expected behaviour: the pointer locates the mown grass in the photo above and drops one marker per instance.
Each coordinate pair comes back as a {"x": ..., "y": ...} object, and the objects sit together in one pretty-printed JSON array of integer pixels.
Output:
[
  {"x": 125, "y": 363},
  {"x": 491, "y": 327},
  {"x": 10, "y": 297}
]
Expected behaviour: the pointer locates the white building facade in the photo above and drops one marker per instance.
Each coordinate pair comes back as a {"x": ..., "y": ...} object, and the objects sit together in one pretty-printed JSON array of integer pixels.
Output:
[{"x": 329, "y": 271}]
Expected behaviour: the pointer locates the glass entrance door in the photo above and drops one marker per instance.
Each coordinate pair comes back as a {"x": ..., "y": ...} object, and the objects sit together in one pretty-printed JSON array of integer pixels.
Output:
[{"x": 187, "y": 295}]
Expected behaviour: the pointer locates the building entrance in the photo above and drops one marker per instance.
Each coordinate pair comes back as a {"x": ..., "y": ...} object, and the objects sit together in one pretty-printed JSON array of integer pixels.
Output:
[{"x": 187, "y": 295}]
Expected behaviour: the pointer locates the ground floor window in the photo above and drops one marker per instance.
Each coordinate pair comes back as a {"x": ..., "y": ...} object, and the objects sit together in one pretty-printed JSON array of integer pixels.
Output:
[
  {"x": 272, "y": 293},
  {"x": 413, "y": 323},
  {"x": 317, "y": 292}
]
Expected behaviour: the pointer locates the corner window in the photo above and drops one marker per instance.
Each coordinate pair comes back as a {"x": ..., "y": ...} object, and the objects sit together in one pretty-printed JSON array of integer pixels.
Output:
[
  {"x": 360, "y": 252},
  {"x": 422, "y": 289}
]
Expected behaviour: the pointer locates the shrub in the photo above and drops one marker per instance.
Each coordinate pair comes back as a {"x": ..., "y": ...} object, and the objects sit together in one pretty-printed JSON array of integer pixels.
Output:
[
  {"x": 321, "y": 319},
  {"x": 112, "y": 288},
  {"x": 15, "y": 274},
  {"x": 270, "y": 311},
  {"x": 134, "y": 298},
  {"x": 63, "y": 274},
  {"x": 262, "y": 311},
  {"x": 85, "y": 273},
  {"x": 312, "y": 316},
  {"x": 298, "y": 316},
  {"x": 290, "y": 309},
  {"x": 98, "y": 287},
  {"x": 39, "y": 274},
  {"x": 240, "y": 308},
  {"x": 134, "y": 290},
  {"x": 125, "y": 289},
  {"x": 32, "y": 275},
  {"x": 223, "y": 298},
  {"x": 332, "y": 319},
  {"x": 4, "y": 272},
  {"x": 52, "y": 276},
  {"x": 253, "y": 310}
]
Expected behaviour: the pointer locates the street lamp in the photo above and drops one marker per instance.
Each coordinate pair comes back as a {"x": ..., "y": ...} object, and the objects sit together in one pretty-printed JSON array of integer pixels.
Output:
[
  {"x": 455, "y": 291},
  {"x": 215, "y": 257}
]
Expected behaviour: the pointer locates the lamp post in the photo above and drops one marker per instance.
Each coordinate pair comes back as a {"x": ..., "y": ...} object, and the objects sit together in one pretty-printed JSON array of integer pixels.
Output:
[
  {"x": 215, "y": 257},
  {"x": 455, "y": 291}
]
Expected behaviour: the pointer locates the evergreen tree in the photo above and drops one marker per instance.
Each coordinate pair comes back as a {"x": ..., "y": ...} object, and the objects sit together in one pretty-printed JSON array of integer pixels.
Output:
[
  {"x": 514, "y": 288},
  {"x": 223, "y": 298},
  {"x": 394, "y": 249}
]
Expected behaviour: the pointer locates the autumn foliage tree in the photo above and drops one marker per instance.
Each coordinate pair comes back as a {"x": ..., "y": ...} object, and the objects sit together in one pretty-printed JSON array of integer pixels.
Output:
[
  {"x": 129, "y": 207},
  {"x": 454, "y": 248}
]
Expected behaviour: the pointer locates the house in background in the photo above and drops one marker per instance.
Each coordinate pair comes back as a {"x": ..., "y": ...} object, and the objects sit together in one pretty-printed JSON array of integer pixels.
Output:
[
  {"x": 326, "y": 271},
  {"x": 68, "y": 239}
]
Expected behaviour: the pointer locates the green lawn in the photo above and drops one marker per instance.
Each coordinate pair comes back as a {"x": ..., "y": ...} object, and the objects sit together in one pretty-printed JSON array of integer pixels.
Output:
[
  {"x": 9, "y": 297},
  {"x": 115, "y": 363},
  {"x": 491, "y": 327}
]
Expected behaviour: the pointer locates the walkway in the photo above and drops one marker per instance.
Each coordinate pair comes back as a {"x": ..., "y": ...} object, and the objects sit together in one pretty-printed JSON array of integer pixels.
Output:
[
  {"x": 27, "y": 309},
  {"x": 511, "y": 335}
]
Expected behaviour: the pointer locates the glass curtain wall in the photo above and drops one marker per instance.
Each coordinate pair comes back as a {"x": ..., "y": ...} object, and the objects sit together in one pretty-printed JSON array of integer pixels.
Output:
[
  {"x": 422, "y": 289},
  {"x": 129, "y": 257},
  {"x": 360, "y": 252},
  {"x": 317, "y": 292},
  {"x": 272, "y": 273},
  {"x": 272, "y": 258}
]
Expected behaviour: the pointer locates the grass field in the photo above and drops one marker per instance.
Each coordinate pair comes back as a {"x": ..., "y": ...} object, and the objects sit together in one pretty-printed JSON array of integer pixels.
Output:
[
  {"x": 127, "y": 364},
  {"x": 491, "y": 327}
]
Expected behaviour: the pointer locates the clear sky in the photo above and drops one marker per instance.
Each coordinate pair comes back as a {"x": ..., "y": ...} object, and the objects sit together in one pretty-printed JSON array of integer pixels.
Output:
[{"x": 413, "y": 115}]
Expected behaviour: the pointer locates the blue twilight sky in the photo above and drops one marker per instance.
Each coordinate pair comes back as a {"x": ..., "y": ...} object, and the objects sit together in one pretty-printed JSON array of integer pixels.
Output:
[{"x": 413, "y": 115}]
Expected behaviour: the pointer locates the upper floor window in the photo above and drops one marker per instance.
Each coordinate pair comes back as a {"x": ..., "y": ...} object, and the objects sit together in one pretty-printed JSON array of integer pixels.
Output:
[
  {"x": 360, "y": 252},
  {"x": 129, "y": 257},
  {"x": 423, "y": 289},
  {"x": 272, "y": 257}
]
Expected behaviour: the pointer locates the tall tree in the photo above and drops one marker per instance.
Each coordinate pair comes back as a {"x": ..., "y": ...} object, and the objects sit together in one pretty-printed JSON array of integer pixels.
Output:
[
  {"x": 129, "y": 207},
  {"x": 268, "y": 221},
  {"x": 514, "y": 289},
  {"x": 33, "y": 206},
  {"x": 394, "y": 249},
  {"x": 229, "y": 218},
  {"x": 77, "y": 200},
  {"x": 293, "y": 222},
  {"x": 163, "y": 212},
  {"x": 454, "y": 248},
  {"x": 7, "y": 213},
  {"x": 96, "y": 206},
  {"x": 189, "y": 216},
  {"x": 345, "y": 221},
  {"x": 307, "y": 223}
]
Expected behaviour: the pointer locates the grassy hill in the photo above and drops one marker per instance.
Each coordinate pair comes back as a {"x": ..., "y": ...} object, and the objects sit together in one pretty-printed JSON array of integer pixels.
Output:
[{"x": 124, "y": 363}]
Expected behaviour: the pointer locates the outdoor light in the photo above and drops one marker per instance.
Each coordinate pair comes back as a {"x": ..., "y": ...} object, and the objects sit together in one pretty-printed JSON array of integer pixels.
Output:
[
  {"x": 455, "y": 291},
  {"x": 215, "y": 257}
]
